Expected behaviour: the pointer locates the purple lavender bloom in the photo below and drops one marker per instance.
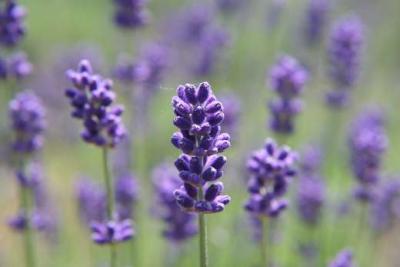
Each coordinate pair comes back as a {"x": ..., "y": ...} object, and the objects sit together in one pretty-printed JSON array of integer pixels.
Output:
[
  {"x": 19, "y": 222},
  {"x": 343, "y": 259},
  {"x": 19, "y": 66},
  {"x": 92, "y": 99},
  {"x": 91, "y": 201},
  {"x": 271, "y": 169},
  {"x": 27, "y": 120},
  {"x": 126, "y": 194},
  {"x": 310, "y": 199},
  {"x": 311, "y": 159},
  {"x": 12, "y": 27},
  {"x": 180, "y": 225},
  {"x": 112, "y": 232},
  {"x": 287, "y": 78},
  {"x": 368, "y": 143},
  {"x": 344, "y": 51},
  {"x": 131, "y": 14},
  {"x": 198, "y": 115},
  {"x": 231, "y": 103},
  {"x": 316, "y": 20}
]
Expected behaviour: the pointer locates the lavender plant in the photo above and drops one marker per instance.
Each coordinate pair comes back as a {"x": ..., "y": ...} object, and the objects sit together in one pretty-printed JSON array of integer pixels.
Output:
[
  {"x": 316, "y": 20},
  {"x": 130, "y": 14},
  {"x": 12, "y": 28},
  {"x": 287, "y": 78},
  {"x": 198, "y": 116},
  {"x": 344, "y": 53},
  {"x": 343, "y": 259},
  {"x": 92, "y": 100},
  {"x": 271, "y": 168},
  {"x": 27, "y": 122}
]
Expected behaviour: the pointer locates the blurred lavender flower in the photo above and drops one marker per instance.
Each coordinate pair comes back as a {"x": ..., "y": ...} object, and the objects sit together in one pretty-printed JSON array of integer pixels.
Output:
[
  {"x": 91, "y": 201},
  {"x": 311, "y": 159},
  {"x": 368, "y": 143},
  {"x": 231, "y": 103},
  {"x": 112, "y": 232},
  {"x": 16, "y": 66},
  {"x": 316, "y": 20},
  {"x": 229, "y": 6},
  {"x": 131, "y": 14},
  {"x": 287, "y": 78},
  {"x": 126, "y": 194},
  {"x": 198, "y": 115},
  {"x": 344, "y": 51},
  {"x": 310, "y": 199},
  {"x": 343, "y": 259},
  {"x": 180, "y": 225},
  {"x": 271, "y": 168},
  {"x": 92, "y": 98},
  {"x": 12, "y": 27},
  {"x": 27, "y": 121}
]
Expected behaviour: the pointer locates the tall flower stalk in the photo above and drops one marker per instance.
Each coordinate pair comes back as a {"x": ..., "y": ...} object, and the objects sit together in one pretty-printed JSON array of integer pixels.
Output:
[
  {"x": 271, "y": 168},
  {"x": 198, "y": 115},
  {"x": 92, "y": 100}
]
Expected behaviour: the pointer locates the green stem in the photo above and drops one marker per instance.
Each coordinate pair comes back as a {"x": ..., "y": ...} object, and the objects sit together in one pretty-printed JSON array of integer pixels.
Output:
[
  {"x": 203, "y": 235},
  {"x": 28, "y": 234},
  {"x": 264, "y": 242}
]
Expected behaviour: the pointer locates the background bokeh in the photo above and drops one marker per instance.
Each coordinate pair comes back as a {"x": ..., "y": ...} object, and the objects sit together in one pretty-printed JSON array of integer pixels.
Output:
[{"x": 59, "y": 32}]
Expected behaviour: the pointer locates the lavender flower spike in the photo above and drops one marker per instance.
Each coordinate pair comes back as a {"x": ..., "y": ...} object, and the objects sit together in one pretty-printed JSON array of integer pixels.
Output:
[
  {"x": 271, "y": 169},
  {"x": 198, "y": 115},
  {"x": 287, "y": 78},
  {"x": 316, "y": 19},
  {"x": 126, "y": 194},
  {"x": 12, "y": 28},
  {"x": 343, "y": 259},
  {"x": 130, "y": 14},
  {"x": 367, "y": 142},
  {"x": 180, "y": 225},
  {"x": 92, "y": 100},
  {"x": 344, "y": 52}
]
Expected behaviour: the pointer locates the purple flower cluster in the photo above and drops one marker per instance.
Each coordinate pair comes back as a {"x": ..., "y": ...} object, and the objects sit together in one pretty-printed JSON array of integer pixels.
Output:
[
  {"x": 12, "y": 28},
  {"x": 17, "y": 67},
  {"x": 92, "y": 99},
  {"x": 126, "y": 194},
  {"x": 131, "y": 14},
  {"x": 368, "y": 143},
  {"x": 198, "y": 115},
  {"x": 27, "y": 120},
  {"x": 287, "y": 78},
  {"x": 343, "y": 259},
  {"x": 180, "y": 225},
  {"x": 92, "y": 201},
  {"x": 316, "y": 19},
  {"x": 271, "y": 168},
  {"x": 344, "y": 51},
  {"x": 112, "y": 232}
]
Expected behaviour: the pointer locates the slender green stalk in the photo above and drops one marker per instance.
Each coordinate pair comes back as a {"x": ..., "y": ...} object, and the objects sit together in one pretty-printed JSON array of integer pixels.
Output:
[
  {"x": 264, "y": 242},
  {"x": 28, "y": 234},
  {"x": 110, "y": 202},
  {"x": 203, "y": 240}
]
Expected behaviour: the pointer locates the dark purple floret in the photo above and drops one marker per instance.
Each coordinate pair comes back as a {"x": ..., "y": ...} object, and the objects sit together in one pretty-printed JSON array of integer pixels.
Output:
[
  {"x": 287, "y": 78},
  {"x": 131, "y": 14},
  {"x": 343, "y": 259},
  {"x": 368, "y": 143},
  {"x": 126, "y": 194},
  {"x": 180, "y": 225},
  {"x": 271, "y": 168},
  {"x": 27, "y": 120},
  {"x": 12, "y": 28},
  {"x": 112, "y": 232},
  {"x": 310, "y": 199},
  {"x": 19, "y": 222},
  {"x": 344, "y": 51},
  {"x": 91, "y": 201},
  {"x": 92, "y": 99},
  {"x": 198, "y": 115},
  {"x": 316, "y": 20}
]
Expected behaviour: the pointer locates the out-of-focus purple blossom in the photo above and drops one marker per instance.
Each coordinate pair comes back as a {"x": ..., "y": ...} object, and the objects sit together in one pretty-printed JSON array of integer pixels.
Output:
[
  {"x": 229, "y": 6},
  {"x": 343, "y": 259},
  {"x": 386, "y": 207},
  {"x": 126, "y": 194},
  {"x": 131, "y": 14},
  {"x": 311, "y": 160},
  {"x": 232, "y": 109},
  {"x": 12, "y": 28},
  {"x": 198, "y": 115},
  {"x": 368, "y": 143},
  {"x": 18, "y": 222},
  {"x": 344, "y": 52},
  {"x": 287, "y": 78},
  {"x": 180, "y": 225},
  {"x": 310, "y": 199},
  {"x": 27, "y": 120},
  {"x": 316, "y": 20},
  {"x": 16, "y": 66},
  {"x": 92, "y": 99},
  {"x": 112, "y": 232},
  {"x": 271, "y": 168},
  {"x": 91, "y": 201}
]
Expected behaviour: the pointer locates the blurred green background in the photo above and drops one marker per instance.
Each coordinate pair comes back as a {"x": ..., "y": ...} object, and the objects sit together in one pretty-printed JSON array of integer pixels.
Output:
[{"x": 56, "y": 26}]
